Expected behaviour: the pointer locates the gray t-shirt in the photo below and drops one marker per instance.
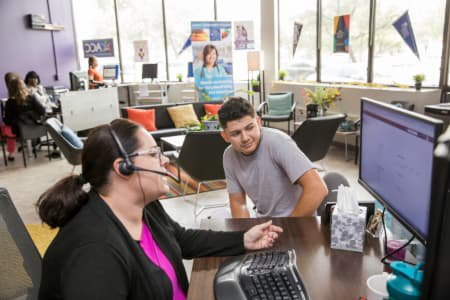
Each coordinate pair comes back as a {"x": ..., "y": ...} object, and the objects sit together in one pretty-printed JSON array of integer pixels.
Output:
[{"x": 270, "y": 175}]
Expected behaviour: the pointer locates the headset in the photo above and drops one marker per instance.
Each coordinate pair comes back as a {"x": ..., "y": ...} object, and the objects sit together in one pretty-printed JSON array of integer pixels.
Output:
[{"x": 126, "y": 166}]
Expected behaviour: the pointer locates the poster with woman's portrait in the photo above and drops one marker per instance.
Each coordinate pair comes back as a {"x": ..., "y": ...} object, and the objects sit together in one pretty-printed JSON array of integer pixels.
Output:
[{"x": 213, "y": 65}]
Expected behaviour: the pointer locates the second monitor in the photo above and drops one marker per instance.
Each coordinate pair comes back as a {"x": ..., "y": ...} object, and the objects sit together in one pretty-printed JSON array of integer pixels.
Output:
[
  {"x": 111, "y": 72},
  {"x": 149, "y": 71}
]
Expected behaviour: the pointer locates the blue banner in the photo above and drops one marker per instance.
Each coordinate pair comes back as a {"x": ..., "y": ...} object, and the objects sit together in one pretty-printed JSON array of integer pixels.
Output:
[
  {"x": 404, "y": 28},
  {"x": 186, "y": 45},
  {"x": 98, "y": 48}
]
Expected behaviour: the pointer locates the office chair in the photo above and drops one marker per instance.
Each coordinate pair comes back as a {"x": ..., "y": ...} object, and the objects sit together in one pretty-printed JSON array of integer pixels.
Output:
[
  {"x": 201, "y": 156},
  {"x": 20, "y": 261},
  {"x": 279, "y": 107},
  {"x": 404, "y": 105},
  {"x": 71, "y": 153},
  {"x": 314, "y": 135},
  {"x": 31, "y": 132},
  {"x": 333, "y": 180}
]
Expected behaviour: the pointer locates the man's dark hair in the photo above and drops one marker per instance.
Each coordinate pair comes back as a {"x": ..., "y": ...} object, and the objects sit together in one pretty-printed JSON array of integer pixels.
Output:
[{"x": 235, "y": 108}]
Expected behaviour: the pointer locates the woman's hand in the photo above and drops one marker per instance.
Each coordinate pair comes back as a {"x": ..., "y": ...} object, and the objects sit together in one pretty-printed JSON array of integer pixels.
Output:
[{"x": 261, "y": 236}]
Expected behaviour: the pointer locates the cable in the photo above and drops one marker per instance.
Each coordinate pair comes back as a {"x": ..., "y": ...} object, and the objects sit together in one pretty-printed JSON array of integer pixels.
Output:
[{"x": 387, "y": 255}]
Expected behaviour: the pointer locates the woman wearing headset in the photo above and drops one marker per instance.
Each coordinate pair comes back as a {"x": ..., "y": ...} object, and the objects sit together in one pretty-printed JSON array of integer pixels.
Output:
[
  {"x": 209, "y": 72},
  {"x": 116, "y": 241}
]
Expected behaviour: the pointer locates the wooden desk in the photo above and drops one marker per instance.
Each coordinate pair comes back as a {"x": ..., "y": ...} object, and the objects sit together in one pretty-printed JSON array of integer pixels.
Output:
[{"x": 327, "y": 273}]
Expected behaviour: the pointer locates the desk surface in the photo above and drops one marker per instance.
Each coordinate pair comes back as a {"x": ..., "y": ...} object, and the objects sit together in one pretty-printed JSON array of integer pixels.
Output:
[{"x": 327, "y": 273}]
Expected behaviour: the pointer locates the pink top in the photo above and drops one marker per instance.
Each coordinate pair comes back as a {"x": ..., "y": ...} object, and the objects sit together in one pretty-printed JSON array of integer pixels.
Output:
[{"x": 154, "y": 253}]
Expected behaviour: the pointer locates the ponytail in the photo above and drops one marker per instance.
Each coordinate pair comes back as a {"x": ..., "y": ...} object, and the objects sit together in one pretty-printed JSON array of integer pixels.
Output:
[{"x": 62, "y": 201}]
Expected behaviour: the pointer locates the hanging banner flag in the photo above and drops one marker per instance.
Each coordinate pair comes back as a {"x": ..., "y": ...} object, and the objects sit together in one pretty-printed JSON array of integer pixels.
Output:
[
  {"x": 341, "y": 34},
  {"x": 213, "y": 64},
  {"x": 186, "y": 45},
  {"x": 404, "y": 28},
  {"x": 297, "y": 31},
  {"x": 141, "y": 51},
  {"x": 99, "y": 48},
  {"x": 244, "y": 36}
]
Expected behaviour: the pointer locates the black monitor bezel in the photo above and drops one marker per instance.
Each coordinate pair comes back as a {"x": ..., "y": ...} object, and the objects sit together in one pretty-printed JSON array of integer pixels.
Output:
[
  {"x": 438, "y": 126},
  {"x": 144, "y": 73}
]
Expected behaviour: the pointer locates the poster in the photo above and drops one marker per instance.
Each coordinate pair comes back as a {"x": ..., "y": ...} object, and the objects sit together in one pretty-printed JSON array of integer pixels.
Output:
[
  {"x": 297, "y": 31},
  {"x": 341, "y": 34},
  {"x": 213, "y": 65},
  {"x": 98, "y": 48},
  {"x": 244, "y": 35},
  {"x": 404, "y": 28},
  {"x": 141, "y": 51}
]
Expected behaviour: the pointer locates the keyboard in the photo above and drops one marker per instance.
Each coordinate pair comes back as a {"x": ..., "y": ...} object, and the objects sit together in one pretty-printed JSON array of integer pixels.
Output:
[{"x": 260, "y": 276}]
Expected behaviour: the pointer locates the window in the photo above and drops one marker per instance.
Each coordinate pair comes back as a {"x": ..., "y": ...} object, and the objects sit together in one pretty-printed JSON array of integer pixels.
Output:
[
  {"x": 302, "y": 65},
  {"x": 238, "y": 10},
  {"x": 351, "y": 66},
  {"x": 95, "y": 19},
  {"x": 179, "y": 15},
  {"x": 394, "y": 62},
  {"x": 141, "y": 20}
]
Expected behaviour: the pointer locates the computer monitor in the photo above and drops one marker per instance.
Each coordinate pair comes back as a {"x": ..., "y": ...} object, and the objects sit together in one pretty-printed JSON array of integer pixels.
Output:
[
  {"x": 78, "y": 80},
  {"x": 111, "y": 72},
  {"x": 149, "y": 71},
  {"x": 397, "y": 162}
]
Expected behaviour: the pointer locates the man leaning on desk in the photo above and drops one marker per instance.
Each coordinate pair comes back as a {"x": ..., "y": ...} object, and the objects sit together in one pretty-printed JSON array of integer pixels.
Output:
[
  {"x": 266, "y": 165},
  {"x": 95, "y": 77}
]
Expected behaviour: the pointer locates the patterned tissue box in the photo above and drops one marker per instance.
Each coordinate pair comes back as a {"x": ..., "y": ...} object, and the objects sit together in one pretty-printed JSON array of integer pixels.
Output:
[{"x": 347, "y": 230}]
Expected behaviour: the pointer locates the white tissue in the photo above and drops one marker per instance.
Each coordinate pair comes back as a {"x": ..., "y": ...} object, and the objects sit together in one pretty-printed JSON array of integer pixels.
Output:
[{"x": 347, "y": 200}]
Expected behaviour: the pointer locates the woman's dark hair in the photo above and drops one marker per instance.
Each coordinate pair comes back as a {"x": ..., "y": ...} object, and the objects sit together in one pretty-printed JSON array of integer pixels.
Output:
[
  {"x": 206, "y": 50},
  {"x": 234, "y": 108},
  {"x": 32, "y": 75},
  {"x": 63, "y": 200}
]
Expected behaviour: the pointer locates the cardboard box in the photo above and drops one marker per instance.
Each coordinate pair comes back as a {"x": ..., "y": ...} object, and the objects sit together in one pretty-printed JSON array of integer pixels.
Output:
[{"x": 348, "y": 229}]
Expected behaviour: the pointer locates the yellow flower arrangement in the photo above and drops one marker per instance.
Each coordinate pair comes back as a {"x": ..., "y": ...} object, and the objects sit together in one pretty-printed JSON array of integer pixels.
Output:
[{"x": 322, "y": 96}]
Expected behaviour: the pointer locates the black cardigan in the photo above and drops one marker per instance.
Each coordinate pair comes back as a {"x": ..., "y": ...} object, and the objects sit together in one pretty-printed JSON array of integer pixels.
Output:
[
  {"x": 94, "y": 257},
  {"x": 28, "y": 113}
]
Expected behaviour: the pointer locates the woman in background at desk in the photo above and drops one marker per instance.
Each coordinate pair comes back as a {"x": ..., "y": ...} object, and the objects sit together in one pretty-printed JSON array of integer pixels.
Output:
[
  {"x": 116, "y": 241},
  {"x": 35, "y": 88},
  {"x": 95, "y": 77}
]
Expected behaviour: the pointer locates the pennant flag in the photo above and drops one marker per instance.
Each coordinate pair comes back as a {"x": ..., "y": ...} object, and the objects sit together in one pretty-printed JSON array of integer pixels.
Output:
[
  {"x": 297, "y": 30},
  {"x": 404, "y": 28},
  {"x": 341, "y": 41},
  {"x": 186, "y": 45}
]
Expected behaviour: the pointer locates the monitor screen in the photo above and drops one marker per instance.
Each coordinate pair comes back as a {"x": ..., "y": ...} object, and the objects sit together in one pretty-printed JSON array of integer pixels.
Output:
[
  {"x": 111, "y": 72},
  {"x": 78, "y": 80},
  {"x": 396, "y": 161},
  {"x": 149, "y": 71}
]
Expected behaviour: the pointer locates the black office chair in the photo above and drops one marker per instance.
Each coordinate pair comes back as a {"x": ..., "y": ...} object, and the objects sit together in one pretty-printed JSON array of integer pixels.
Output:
[
  {"x": 333, "y": 180},
  {"x": 20, "y": 261},
  {"x": 31, "y": 132},
  {"x": 314, "y": 135},
  {"x": 71, "y": 153},
  {"x": 201, "y": 156},
  {"x": 404, "y": 105},
  {"x": 266, "y": 117}
]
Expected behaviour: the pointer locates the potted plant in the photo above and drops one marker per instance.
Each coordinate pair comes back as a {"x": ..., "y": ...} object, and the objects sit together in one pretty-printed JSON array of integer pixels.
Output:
[
  {"x": 210, "y": 122},
  {"x": 320, "y": 100},
  {"x": 282, "y": 74},
  {"x": 418, "y": 79},
  {"x": 180, "y": 77},
  {"x": 256, "y": 87}
]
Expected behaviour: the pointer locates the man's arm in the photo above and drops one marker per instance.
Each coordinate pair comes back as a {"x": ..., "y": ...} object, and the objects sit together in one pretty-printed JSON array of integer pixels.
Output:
[
  {"x": 238, "y": 206},
  {"x": 314, "y": 190}
]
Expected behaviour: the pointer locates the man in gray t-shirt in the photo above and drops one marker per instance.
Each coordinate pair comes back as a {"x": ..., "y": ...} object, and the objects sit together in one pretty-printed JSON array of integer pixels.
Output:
[{"x": 266, "y": 165}]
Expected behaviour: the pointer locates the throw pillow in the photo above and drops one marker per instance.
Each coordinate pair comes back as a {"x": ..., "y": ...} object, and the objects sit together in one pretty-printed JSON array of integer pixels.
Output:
[
  {"x": 212, "y": 109},
  {"x": 183, "y": 116},
  {"x": 71, "y": 137},
  {"x": 279, "y": 104},
  {"x": 145, "y": 117}
]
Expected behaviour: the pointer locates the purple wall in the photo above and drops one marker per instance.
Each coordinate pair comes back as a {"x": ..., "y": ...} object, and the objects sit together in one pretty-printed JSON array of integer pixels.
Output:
[{"x": 23, "y": 49}]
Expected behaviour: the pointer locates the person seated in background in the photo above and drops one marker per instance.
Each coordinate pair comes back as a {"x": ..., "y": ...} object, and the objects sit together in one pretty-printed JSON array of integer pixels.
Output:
[
  {"x": 6, "y": 129},
  {"x": 35, "y": 88},
  {"x": 22, "y": 107},
  {"x": 266, "y": 165},
  {"x": 95, "y": 77},
  {"x": 116, "y": 241}
]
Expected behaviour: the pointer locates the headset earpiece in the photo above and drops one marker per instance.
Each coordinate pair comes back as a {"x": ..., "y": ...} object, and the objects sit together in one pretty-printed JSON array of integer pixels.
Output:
[
  {"x": 125, "y": 169},
  {"x": 126, "y": 166}
]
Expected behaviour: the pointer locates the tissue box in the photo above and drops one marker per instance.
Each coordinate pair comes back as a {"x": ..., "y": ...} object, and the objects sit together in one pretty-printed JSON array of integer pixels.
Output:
[{"x": 347, "y": 230}]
